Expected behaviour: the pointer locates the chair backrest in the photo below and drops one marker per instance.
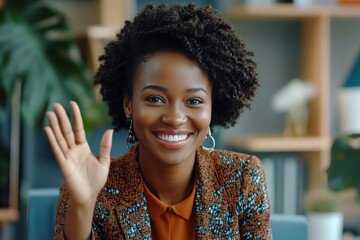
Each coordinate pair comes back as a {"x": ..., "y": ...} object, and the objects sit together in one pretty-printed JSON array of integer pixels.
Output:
[
  {"x": 285, "y": 227},
  {"x": 41, "y": 213}
]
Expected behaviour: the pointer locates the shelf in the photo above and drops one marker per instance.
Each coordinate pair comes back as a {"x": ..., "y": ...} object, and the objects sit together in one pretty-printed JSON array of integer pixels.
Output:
[
  {"x": 314, "y": 66},
  {"x": 8, "y": 215},
  {"x": 281, "y": 144},
  {"x": 348, "y": 11},
  {"x": 289, "y": 11}
]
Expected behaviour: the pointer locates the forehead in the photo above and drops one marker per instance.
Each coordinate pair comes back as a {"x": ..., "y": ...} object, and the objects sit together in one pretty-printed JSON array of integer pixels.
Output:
[{"x": 171, "y": 69}]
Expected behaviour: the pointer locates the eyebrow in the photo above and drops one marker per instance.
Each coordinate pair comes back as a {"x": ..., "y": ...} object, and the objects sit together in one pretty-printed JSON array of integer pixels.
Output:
[{"x": 163, "y": 89}]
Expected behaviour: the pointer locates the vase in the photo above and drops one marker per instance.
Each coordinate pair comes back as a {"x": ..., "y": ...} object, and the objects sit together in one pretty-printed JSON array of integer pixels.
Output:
[
  {"x": 349, "y": 110},
  {"x": 325, "y": 226}
]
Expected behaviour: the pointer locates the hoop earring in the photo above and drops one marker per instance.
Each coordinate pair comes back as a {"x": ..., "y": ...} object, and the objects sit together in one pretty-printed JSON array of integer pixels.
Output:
[
  {"x": 131, "y": 138},
  {"x": 213, "y": 142}
]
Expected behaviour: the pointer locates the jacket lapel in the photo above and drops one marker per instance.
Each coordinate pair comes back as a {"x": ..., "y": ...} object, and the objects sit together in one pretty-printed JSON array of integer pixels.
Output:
[
  {"x": 213, "y": 218},
  {"x": 132, "y": 209}
]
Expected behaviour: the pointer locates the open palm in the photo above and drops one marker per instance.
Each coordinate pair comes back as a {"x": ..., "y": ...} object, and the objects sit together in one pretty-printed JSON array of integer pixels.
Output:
[{"x": 84, "y": 174}]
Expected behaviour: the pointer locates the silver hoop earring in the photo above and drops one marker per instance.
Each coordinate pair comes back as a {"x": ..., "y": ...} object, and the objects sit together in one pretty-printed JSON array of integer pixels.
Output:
[
  {"x": 213, "y": 142},
  {"x": 131, "y": 138}
]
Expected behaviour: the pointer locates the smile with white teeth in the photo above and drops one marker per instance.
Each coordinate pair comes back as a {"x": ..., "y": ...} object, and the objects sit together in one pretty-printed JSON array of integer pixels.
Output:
[{"x": 172, "y": 138}]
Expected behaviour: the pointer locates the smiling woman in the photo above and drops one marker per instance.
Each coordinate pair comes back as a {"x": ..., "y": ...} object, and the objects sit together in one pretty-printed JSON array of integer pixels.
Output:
[{"x": 172, "y": 74}]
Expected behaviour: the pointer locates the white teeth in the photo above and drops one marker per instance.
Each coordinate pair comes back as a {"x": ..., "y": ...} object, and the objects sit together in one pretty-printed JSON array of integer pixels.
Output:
[{"x": 172, "y": 138}]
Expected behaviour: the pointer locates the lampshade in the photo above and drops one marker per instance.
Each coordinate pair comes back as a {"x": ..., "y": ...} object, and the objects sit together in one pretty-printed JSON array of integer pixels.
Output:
[{"x": 353, "y": 79}]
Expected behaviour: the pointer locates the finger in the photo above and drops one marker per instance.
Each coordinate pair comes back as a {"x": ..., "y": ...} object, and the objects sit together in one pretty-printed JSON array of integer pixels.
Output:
[
  {"x": 65, "y": 125},
  {"x": 105, "y": 147},
  {"x": 58, "y": 153},
  {"x": 54, "y": 123},
  {"x": 79, "y": 132}
]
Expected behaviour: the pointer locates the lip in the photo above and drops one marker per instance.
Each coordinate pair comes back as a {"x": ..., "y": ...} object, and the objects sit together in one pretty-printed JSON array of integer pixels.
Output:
[{"x": 172, "y": 145}]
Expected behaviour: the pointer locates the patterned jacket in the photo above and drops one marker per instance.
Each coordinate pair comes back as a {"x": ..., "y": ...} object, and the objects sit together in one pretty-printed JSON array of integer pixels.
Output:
[{"x": 231, "y": 200}]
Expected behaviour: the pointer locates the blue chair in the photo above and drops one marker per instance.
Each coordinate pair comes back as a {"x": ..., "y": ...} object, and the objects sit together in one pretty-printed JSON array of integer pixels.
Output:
[
  {"x": 289, "y": 227},
  {"x": 41, "y": 213}
]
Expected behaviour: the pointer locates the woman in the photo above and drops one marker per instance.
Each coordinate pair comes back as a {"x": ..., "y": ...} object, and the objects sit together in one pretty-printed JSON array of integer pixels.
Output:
[{"x": 172, "y": 74}]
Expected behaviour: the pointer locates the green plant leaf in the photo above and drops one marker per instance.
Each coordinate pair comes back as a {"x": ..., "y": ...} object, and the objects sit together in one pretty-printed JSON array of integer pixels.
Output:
[
  {"x": 38, "y": 49},
  {"x": 357, "y": 186},
  {"x": 343, "y": 172},
  {"x": 20, "y": 3}
]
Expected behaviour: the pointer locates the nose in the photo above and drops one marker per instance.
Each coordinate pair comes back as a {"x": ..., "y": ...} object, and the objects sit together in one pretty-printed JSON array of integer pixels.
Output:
[{"x": 174, "y": 117}]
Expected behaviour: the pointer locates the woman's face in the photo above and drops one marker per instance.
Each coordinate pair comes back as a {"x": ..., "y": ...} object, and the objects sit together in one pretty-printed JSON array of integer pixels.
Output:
[{"x": 170, "y": 107}]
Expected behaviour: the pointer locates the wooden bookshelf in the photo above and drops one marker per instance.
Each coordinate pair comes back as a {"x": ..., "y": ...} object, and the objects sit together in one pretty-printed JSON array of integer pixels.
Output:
[
  {"x": 281, "y": 144},
  {"x": 315, "y": 25},
  {"x": 8, "y": 215}
]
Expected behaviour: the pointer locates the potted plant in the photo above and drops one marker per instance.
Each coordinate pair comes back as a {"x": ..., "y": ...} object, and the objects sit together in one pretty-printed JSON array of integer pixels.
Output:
[
  {"x": 39, "y": 53},
  {"x": 325, "y": 220},
  {"x": 38, "y": 49},
  {"x": 343, "y": 175}
]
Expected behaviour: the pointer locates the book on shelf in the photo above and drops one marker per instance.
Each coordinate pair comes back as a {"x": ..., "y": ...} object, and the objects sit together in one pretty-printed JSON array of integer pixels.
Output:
[{"x": 285, "y": 177}]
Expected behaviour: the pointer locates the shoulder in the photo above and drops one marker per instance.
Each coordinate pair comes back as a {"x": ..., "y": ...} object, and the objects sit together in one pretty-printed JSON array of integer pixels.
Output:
[
  {"x": 231, "y": 159},
  {"x": 235, "y": 167}
]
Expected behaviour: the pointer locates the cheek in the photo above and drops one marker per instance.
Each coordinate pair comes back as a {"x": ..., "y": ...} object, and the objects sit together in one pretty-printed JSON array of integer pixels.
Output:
[
  {"x": 205, "y": 118},
  {"x": 202, "y": 120},
  {"x": 144, "y": 117}
]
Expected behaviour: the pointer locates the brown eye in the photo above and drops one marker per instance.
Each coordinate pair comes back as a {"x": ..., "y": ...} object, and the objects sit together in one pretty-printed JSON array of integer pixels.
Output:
[
  {"x": 154, "y": 99},
  {"x": 195, "y": 101}
]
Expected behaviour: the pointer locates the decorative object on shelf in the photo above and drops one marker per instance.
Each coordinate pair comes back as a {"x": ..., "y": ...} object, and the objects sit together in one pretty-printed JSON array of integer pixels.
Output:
[
  {"x": 349, "y": 101},
  {"x": 292, "y": 99},
  {"x": 325, "y": 220},
  {"x": 343, "y": 172}
]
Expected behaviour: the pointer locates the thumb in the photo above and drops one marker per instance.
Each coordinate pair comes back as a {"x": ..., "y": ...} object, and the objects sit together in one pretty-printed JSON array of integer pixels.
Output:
[{"x": 105, "y": 147}]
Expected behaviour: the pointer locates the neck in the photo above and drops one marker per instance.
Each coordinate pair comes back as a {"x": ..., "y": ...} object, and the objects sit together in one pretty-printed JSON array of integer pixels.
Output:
[{"x": 171, "y": 184}]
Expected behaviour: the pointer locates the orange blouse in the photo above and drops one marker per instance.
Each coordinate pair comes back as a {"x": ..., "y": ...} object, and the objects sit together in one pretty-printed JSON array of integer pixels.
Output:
[{"x": 171, "y": 222}]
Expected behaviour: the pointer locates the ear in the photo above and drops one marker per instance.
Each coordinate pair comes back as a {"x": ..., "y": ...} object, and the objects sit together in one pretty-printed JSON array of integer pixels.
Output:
[{"x": 127, "y": 106}]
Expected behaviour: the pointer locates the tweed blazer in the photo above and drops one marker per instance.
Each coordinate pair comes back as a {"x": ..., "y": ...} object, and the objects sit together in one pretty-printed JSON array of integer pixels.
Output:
[{"x": 231, "y": 200}]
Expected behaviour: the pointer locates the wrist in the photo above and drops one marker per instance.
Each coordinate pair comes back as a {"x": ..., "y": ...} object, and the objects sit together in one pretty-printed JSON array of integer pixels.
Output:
[{"x": 90, "y": 203}]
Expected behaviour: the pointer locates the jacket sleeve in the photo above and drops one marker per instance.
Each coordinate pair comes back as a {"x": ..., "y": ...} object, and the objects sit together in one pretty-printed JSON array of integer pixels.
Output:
[
  {"x": 61, "y": 214},
  {"x": 254, "y": 202}
]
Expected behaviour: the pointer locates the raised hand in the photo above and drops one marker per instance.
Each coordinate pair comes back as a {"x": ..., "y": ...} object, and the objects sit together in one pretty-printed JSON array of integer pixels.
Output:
[{"x": 84, "y": 174}]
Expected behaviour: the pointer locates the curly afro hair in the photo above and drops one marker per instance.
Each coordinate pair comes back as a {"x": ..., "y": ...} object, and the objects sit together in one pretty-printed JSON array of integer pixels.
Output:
[{"x": 200, "y": 33}]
